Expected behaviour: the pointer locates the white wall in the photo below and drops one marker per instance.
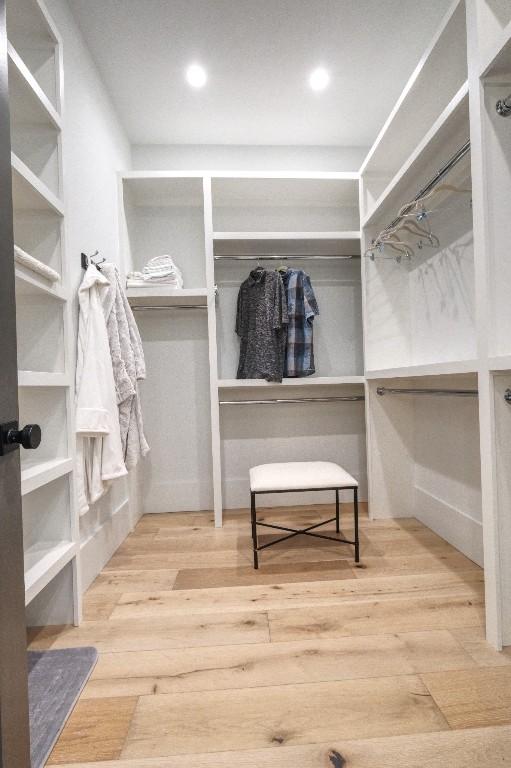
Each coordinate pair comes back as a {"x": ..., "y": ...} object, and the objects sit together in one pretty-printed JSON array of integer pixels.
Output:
[
  {"x": 149, "y": 157},
  {"x": 95, "y": 147}
]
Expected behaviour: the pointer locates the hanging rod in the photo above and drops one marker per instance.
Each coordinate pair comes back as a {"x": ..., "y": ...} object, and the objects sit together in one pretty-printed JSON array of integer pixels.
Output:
[
  {"x": 147, "y": 307},
  {"x": 438, "y": 392},
  {"x": 285, "y": 257},
  {"x": 432, "y": 183},
  {"x": 503, "y": 107},
  {"x": 272, "y": 401}
]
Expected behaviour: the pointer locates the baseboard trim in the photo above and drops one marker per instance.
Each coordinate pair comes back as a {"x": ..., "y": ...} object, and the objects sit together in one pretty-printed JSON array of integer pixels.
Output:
[
  {"x": 97, "y": 549},
  {"x": 452, "y": 524}
]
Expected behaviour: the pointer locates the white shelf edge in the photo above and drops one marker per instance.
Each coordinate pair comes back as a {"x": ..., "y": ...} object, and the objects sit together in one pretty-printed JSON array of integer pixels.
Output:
[
  {"x": 493, "y": 54},
  {"x": 36, "y": 185},
  {"x": 500, "y": 363},
  {"x": 306, "y": 381},
  {"x": 428, "y": 369},
  {"x": 37, "y": 475},
  {"x": 33, "y": 86},
  {"x": 410, "y": 83},
  {"x": 43, "y": 379},
  {"x": 219, "y": 174},
  {"x": 418, "y": 152},
  {"x": 36, "y": 282},
  {"x": 52, "y": 561},
  {"x": 340, "y": 235},
  {"x": 159, "y": 295}
]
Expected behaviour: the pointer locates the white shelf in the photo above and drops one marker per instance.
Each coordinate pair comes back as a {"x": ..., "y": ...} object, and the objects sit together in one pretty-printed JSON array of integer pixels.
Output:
[
  {"x": 219, "y": 174},
  {"x": 29, "y": 192},
  {"x": 428, "y": 369},
  {"x": 29, "y": 103},
  {"x": 159, "y": 295},
  {"x": 29, "y": 282},
  {"x": 348, "y": 235},
  {"x": 496, "y": 58},
  {"x": 306, "y": 381},
  {"x": 42, "y": 563},
  {"x": 450, "y": 122},
  {"x": 345, "y": 243},
  {"x": 500, "y": 363},
  {"x": 432, "y": 83},
  {"x": 36, "y": 474},
  {"x": 42, "y": 379}
]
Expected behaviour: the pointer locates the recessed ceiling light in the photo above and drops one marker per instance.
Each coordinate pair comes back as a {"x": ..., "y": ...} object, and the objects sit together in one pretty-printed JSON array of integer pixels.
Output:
[
  {"x": 196, "y": 75},
  {"x": 319, "y": 79}
]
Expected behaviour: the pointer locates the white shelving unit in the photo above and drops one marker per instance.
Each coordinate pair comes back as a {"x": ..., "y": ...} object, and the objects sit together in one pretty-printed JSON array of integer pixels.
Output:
[
  {"x": 204, "y": 220},
  {"x": 50, "y": 524},
  {"x": 489, "y": 30},
  {"x": 420, "y": 315},
  {"x": 442, "y": 320}
]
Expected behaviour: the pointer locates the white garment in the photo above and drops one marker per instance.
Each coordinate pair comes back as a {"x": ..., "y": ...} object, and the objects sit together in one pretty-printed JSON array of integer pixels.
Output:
[
  {"x": 99, "y": 449},
  {"x": 128, "y": 365},
  {"x": 161, "y": 269},
  {"x": 28, "y": 261}
]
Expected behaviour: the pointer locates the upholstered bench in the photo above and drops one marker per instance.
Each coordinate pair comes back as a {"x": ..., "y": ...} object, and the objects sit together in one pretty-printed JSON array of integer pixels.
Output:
[{"x": 301, "y": 476}]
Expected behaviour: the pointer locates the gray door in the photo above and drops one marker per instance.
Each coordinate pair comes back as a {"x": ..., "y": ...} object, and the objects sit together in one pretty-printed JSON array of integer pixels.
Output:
[{"x": 14, "y": 728}]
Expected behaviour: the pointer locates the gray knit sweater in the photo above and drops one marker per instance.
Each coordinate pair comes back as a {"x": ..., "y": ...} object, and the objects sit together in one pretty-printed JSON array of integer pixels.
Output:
[{"x": 261, "y": 324}]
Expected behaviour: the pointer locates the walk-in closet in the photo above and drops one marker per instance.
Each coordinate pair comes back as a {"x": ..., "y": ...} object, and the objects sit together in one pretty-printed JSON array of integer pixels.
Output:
[{"x": 255, "y": 388}]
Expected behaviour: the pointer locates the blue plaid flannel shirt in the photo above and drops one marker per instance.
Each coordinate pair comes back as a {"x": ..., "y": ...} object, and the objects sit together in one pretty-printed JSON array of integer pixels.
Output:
[{"x": 301, "y": 308}]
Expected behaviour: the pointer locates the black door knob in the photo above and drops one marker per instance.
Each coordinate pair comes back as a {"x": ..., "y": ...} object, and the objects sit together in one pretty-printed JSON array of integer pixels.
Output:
[{"x": 28, "y": 437}]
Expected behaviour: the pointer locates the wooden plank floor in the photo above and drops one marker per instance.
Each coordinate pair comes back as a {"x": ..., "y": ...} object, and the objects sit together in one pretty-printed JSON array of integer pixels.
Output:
[{"x": 312, "y": 662}]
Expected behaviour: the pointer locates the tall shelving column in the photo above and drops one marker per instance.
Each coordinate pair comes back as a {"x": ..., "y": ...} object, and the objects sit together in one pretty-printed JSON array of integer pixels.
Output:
[
  {"x": 213, "y": 355},
  {"x": 50, "y": 523},
  {"x": 420, "y": 323},
  {"x": 489, "y": 60}
]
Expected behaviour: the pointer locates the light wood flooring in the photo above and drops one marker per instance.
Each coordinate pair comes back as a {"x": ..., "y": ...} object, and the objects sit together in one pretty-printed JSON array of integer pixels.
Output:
[{"x": 309, "y": 662}]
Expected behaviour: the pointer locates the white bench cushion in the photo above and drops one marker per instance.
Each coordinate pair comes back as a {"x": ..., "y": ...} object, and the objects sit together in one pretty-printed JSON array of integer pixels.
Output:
[{"x": 299, "y": 475}]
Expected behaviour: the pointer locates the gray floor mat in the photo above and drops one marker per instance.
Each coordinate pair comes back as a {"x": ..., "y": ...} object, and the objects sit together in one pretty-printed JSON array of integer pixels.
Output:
[{"x": 55, "y": 681}]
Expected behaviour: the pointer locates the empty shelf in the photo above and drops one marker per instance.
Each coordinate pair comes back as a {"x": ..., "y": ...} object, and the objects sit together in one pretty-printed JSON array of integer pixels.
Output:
[
  {"x": 38, "y": 473},
  {"x": 29, "y": 192},
  {"x": 427, "y": 369},
  {"x": 42, "y": 563},
  {"x": 29, "y": 103}
]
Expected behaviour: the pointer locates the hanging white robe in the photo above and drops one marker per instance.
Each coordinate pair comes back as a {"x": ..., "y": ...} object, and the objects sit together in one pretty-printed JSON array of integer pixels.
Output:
[
  {"x": 128, "y": 365},
  {"x": 99, "y": 449}
]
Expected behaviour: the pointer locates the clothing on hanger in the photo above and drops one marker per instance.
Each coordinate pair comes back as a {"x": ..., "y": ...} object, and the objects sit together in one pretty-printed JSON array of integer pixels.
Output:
[
  {"x": 100, "y": 457},
  {"x": 128, "y": 365},
  {"x": 261, "y": 323},
  {"x": 302, "y": 307}
]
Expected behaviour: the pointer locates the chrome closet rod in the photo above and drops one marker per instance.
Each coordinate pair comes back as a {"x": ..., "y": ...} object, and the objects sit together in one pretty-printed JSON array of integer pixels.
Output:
[
  {"x": 503, "y": 106},
  {"x": 435, "y": 180},
  {"x": 147, "y": 307},
  {"x": 440, "y": 392},
  {"x": 285, "y": 257},
  {"x": 272, "y": 401}
]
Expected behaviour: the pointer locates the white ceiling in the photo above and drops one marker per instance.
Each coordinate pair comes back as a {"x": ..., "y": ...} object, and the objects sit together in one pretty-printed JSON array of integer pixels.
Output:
[{"x": 258, "y": 54}]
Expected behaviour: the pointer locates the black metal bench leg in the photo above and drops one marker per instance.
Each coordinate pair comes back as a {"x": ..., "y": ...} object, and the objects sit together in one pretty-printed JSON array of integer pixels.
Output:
[
  {"x": 337, "y": 522},
  {"x": 254, "y": 529},
  {"x": 355, "y": 511}
]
